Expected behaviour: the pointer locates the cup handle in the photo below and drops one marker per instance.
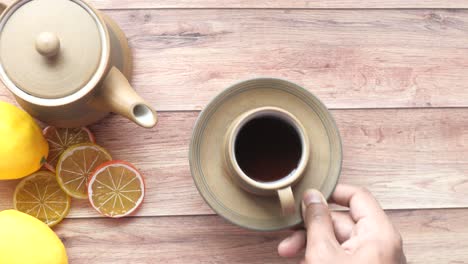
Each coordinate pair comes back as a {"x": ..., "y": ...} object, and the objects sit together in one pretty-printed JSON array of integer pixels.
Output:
[
  {"x": 118, "y": 96},
  {"x": 288, "y": 203}
]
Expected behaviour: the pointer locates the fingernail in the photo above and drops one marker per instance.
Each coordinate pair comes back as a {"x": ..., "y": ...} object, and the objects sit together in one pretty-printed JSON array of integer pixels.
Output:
[
  {"x": 314, "y": 197},
  {"x": 284, "y": 244}
]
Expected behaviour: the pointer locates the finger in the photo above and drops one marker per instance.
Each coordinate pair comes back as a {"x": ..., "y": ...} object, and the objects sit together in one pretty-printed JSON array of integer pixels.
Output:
[
  {"x": 292, "y": 245},
  {"x": 360, "y": 201},
  {"x": 351, "y": 245},
  {"x": 343, "y": 225},
  {"x": 318, "y": 221}
]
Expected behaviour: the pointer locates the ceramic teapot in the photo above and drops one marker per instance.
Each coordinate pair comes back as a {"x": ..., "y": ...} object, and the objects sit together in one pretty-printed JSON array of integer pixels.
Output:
[{"x": 67, "y": 64}]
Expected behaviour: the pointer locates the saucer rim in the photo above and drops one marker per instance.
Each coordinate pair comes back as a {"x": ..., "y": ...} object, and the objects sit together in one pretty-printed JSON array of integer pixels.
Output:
[{"x": 224, "y": 95}]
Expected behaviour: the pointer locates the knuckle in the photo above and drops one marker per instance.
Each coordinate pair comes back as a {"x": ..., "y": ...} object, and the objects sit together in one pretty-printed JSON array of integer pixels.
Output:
[
  {"x": 316, "y": 213},
  {"x": 363, "y": 191}
]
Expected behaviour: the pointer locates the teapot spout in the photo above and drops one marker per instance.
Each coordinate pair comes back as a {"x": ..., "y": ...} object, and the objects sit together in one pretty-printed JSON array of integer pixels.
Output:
[
  {"x": 144, "y": 115},
  {"x": 118, "y": 97}
]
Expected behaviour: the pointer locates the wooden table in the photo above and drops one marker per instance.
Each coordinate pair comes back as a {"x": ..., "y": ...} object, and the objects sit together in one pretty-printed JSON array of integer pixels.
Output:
[{"x": 394, "y": 73}]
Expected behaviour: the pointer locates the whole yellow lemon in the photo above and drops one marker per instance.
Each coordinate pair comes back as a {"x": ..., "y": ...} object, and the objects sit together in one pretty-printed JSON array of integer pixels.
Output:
[
  {"x": 26, "y": 240},
  {"x": 23, "y": 148}
]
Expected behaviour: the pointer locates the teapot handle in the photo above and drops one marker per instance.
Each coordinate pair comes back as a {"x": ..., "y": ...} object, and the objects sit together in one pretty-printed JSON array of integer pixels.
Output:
[{"x": 116, "y": 95}]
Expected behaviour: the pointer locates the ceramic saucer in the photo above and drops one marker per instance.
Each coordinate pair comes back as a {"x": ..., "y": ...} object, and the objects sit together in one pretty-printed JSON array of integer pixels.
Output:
[{"x": 206, "y": 152}]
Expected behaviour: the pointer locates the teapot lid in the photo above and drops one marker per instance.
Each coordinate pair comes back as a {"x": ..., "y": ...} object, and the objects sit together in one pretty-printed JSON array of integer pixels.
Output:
[{"x": 52, "y": 49}]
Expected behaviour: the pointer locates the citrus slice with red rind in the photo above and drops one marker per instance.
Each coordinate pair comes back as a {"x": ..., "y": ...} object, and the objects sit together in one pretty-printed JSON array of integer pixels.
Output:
[
  {"x": 116, "y": 189},
  {"x": 60, "y": 139},
  {"x": 76, "y": 164},
  {"x": 40, "y": 195}
]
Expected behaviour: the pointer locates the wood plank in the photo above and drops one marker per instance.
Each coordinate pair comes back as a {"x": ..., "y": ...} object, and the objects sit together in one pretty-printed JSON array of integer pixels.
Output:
[
  {"x": 281, "y": 4},
  {"x": 409, "y": 158},
  {"x": 430, "y": 237},
  {"x": 328, "y": 4},
  {"x": 348, "y": 58}
]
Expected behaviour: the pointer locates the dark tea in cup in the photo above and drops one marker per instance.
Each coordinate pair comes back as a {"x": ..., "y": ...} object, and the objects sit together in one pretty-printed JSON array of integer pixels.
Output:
[{"x": 268, "y": 148}]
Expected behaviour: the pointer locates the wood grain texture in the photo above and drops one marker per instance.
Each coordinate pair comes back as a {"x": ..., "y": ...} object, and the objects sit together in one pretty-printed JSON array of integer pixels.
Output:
[
  {"x": 348, "y": 58},
  {"x": 409, "y": 158},
  {"x": 354, "y": 59},
  {"x": 430, "y": 237},
  {"x": 361, "y": 4}
]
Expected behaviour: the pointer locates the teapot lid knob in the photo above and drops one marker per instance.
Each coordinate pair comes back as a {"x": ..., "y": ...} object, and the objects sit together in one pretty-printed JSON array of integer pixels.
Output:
[{"x": 47, "y": 44}]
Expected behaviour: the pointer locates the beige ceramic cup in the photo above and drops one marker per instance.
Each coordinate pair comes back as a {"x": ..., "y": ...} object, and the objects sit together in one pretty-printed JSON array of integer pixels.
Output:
[{"x": 282, "y": 187}]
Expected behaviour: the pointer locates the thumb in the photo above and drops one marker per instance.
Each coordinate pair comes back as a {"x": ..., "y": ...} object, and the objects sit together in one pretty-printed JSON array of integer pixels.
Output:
[{"x": 318, "y": 222}]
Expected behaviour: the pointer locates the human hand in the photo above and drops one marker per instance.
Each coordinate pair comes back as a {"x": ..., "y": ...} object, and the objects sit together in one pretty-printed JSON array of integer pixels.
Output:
[{"x": 365, "y": 234}]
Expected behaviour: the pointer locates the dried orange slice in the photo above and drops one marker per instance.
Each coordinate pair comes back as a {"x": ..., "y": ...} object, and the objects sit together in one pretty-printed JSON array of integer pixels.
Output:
[
  {"x": 116, "y": 189},
  {"x": 76, "y": 164},
  {"x": 40, "y": 195},
  {"x": 60, "y": 139}
]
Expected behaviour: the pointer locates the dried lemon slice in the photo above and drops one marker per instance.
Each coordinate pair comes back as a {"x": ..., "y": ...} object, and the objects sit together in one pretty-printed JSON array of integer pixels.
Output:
[
  {"x": 116, "y": 189},
  {"x": 76, "y": 164},
  {"x": 40, "y": 195},
  {"x": 60, "y": 139}
]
